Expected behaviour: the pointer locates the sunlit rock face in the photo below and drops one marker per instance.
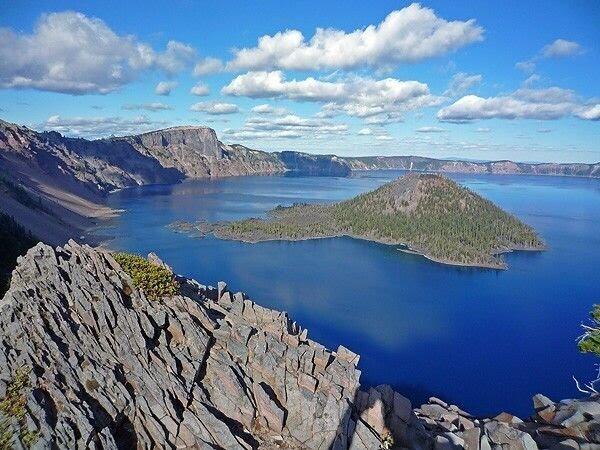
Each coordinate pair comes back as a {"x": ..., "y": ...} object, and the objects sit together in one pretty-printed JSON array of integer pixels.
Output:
[{"x": 102, "y": 366}]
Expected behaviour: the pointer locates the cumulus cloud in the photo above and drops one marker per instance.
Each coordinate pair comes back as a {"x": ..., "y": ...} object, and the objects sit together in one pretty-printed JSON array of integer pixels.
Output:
[
  {"x": 94, "y": 127},
  {"x": 461, "y": 83},
  {"x": 176, "y": 57},
  {"x": 71, "y": 53},
  {"x": 431, "y": 130},
  {"x": 407, "y": 35},
  {"x": 359, "y": 97},
  {"x": 288, "y": 127},
  {"x": 155, "y": 106},
  {"x": 215, "y": 108},
  {"x": 165, "y": 87},
  {"x": 483, "y": 130},
  {"x": 200, "y": 89},
  {"x": 365, "y": 132},
  {"x": 561, "y": 48},
  {"x": 268, "y": 109},
  {"x": 542, "y": 104},
  {"x": 208, "y": 66},
  {"x": 589, "y": 112}
]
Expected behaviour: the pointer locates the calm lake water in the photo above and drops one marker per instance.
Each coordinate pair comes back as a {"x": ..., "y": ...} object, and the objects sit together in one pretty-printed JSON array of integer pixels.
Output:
[{"x": 484, "y": 339}]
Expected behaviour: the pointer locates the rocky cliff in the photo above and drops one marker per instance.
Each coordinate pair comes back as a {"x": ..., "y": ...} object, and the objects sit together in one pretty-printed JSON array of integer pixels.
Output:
[
  {"x": 197, "y": 153},
  {"x": 315, "y": 165},
  {"x": 70, "y": 177},
  {"x": 457, "y": 166},
  {"x": 87, "y": 361}
]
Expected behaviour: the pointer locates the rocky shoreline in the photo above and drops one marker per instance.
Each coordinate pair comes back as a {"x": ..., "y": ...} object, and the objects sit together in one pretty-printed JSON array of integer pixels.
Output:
[{"x": 108, "y": 368}]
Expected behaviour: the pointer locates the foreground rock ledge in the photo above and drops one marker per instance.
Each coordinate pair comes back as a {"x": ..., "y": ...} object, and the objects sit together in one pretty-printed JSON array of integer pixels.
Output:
[{"x": 211, "y": 369}]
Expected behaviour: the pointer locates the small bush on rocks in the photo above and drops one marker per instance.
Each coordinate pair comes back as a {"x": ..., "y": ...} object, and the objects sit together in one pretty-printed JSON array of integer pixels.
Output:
[
  {"x": 12, "y": 413},
  {"x": 589, "y": 342},
  {"x": 153, "y": 280}
]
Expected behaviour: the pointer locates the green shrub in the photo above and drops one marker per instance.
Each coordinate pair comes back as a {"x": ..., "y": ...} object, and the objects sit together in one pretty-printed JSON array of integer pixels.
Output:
[
  {"x": 12, "y": 409},
  {"x": 153, "y": 280},
  {"x": 589, "y": 342}
]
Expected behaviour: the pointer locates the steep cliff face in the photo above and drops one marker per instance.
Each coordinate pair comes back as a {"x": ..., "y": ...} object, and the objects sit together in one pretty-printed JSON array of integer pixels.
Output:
[
  {"x": 197, "y": 153},
  {"x": 315, "y": 165},
  {"x": 77, "y": 165},
  {"x": 87, "y": 361}
]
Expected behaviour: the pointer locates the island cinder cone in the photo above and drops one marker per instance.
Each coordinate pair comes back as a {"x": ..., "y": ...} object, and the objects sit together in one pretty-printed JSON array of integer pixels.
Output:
[{"x": 428, "y": 213}]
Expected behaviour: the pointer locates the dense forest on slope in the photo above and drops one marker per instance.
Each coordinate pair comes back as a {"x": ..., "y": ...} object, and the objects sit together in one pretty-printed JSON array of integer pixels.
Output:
[
  {"x": 14, "y": 242},
  {"x": 430, "y": 214}
]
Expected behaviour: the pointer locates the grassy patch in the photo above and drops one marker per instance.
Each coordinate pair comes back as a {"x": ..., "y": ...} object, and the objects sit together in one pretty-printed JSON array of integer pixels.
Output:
[
  {"x": 153, "y": 280},
  {"x": 12, "y": 410}
]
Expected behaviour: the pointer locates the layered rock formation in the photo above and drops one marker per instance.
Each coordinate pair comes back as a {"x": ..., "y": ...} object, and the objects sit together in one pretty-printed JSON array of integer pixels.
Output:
[
  {"x": 101, "y": 366},
  {"x": 197, "y": 153},
  {"x": 315, "y": 165},
  {"x": 456, "y": 166},
  {"x": 70, "y": 177}
]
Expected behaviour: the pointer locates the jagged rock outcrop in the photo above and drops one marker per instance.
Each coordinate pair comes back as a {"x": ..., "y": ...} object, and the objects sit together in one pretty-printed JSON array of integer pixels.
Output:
[{"x": 110, "y": 369}]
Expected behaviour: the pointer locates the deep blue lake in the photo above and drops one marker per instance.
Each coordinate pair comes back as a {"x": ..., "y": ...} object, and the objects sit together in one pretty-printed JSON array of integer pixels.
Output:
[{"x": 484, "y": 339}]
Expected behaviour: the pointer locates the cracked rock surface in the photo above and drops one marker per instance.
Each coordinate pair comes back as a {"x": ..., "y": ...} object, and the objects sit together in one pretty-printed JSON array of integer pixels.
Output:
[{"x": 211, "y": 369}]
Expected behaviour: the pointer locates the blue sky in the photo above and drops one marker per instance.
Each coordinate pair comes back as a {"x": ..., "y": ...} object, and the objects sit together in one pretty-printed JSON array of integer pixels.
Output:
[{"x": 483, "y": 80}]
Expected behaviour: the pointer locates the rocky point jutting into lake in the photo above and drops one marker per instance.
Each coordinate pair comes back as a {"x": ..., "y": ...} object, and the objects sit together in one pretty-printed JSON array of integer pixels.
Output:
[{"x": 429, "y": 214}]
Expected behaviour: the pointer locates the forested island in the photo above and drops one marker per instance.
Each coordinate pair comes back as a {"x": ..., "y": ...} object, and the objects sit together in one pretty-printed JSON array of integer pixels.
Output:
[{"x": 425, "y": 213}]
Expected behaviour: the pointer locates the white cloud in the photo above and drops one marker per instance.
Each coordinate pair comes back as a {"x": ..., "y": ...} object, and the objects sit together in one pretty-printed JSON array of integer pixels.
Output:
[
  {"x": 71, "y": 53},
  {"x": 525, "y": 66},
  {"x": 589, "y": 112},
  {"x": 542, "y": 104},
  {"x": 365, "y": 132},
  {"x": 461, "y": 83},
  {"x": 215, "y": 108},
  {"x": 288, "y": 127},
  {"x": 359, "y": 97},
  {"x": 385, "y": 119},
  {"x": 165, "y": 87},
  {"x": 200, "y": 90},
  {"x": 208, "y": 66},
  {"x": 431, "y": 130},
  {"x": 268, "y": 109},
  {"x": 155, "y": 106},
  {"x": 410, "y": 34},
  {"x": 176, "y": 57},
  {"x": 561, "y": 48},
  {"x": 531, "y": 80},
  {"x": 94, "y": 127},
  {"x": 483, "y": 130}
]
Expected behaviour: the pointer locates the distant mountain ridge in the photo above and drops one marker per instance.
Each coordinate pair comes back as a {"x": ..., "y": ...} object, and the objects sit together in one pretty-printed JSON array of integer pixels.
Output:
[
  {"x": 425, "y": 164},
  {"x": 70, "y": 177}
]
